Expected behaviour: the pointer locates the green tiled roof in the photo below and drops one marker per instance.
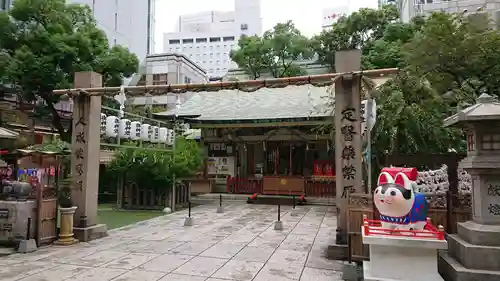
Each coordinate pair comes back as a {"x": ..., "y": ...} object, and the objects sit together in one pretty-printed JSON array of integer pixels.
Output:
[{"x": 304, "y": 101}]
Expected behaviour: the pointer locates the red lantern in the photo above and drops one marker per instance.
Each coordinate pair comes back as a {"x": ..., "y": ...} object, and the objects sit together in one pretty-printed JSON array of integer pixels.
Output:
[{"x": 318, "y": 169}]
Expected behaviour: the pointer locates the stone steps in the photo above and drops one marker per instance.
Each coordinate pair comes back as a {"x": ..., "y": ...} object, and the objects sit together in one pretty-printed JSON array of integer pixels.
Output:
[
  {"x": 473, "y": 256},
  {"x": 451, "y": 269}
]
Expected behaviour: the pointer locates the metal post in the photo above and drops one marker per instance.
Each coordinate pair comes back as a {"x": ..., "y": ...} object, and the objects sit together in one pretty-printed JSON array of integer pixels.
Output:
[
  {"x": 189, "y": 209},
  {"x": 293, "y": 201},
  {"x": 279, "y": 212},
  {"x": 220, "y": 200}
]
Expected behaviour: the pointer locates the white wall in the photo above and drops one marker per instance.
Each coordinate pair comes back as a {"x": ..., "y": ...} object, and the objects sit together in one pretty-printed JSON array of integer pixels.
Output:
[
  {"x": 125, "y": 22},
  {"x": 196, "y": 31}
]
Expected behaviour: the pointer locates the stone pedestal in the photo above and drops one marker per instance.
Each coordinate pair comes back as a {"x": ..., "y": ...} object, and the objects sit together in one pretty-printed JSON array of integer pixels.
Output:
[
  {"x": 66, "y": 230},
  {"x": 474, "y": 252},
  {"x": 401, "y": 258}
]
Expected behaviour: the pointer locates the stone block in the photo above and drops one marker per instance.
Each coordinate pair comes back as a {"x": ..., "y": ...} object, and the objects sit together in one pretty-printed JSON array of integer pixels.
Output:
[
  {"x": 188, "y": 221},
  {"x": 336, "y": 252},
  {"x": 85, "y": 234},
  {"x": 278, "y": 225},
  {"x": 450, "y": 269},
  {"x": 27, "y": 246},
  {"x": 473, "y": 256},
  {"x": 479, "y": 234},
  {"x": 220, "y": 210}
]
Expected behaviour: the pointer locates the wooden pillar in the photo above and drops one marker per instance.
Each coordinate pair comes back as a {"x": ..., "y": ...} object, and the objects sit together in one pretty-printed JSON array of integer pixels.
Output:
[
  {"x": 348, "y": 153},
  {"x": 85, "y": 153}
]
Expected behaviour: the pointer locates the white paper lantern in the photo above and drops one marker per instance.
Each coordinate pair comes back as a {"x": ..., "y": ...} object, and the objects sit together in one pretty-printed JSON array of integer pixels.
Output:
[
  {"x": 155, "y": 135},
  {"x": 170, "y": 137},
  {"x": 103, "y": 123},
  {"x": 135, "y": 130},
  {"x": 145, "y": 132},
  {"x": 112, "y": 126},
  {"x": 125, "y": 128},
  {"x": 163, "y": 135}
]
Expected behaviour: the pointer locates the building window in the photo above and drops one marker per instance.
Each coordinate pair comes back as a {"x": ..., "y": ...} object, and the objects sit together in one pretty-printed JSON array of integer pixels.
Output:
[
  {"x": 187, "y": 41},
  {"x": 228, "y": 38},
  {"x": 201, "y": 40},
  {"x": 187, "y": 80},
  {"x": 214, "y": 39},
  {"x": 160, "y": 79},
  {"x": 174, "y": 41},
  {"x": 470, "y": 142},
  {"x": 244, "y": 26},
  {"x": 490, "y": 142}
]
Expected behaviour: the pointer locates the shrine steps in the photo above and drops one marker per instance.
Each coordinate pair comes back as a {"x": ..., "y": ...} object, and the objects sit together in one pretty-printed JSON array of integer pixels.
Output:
[{"x": 451, "y": 269}]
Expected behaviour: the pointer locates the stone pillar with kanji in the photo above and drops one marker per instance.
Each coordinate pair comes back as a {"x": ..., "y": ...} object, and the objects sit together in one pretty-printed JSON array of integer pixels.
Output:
[
  {"x": 85, "y": 154},
  {"x": 348, "y": 155},
  {"x": 474, "y": 251}
]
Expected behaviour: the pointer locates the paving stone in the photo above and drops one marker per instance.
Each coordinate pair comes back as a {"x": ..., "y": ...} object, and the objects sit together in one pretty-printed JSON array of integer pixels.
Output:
[
  {"x": 223, "y": 250},
  {"x": 201, "y": 266},
  {"x": 98, "y": 274},
  {"x": 161, "y": 247},
  {"x": 295, "y": 246},
  {"x": 279, "y": 272},
  {"x": 165, "y": 263},
  {"x": 57, "y": 273},
  {"x": 138, "y": 274},
  {"x": 238, "y": 245},
  {"x": 314, "y": 274},
  {"x": 131, "y": 261},
  {"x": 256, "y": 254},
  {"x": 182, "y": 277},
  {"x": 25, "y": 269},
  {"x": 287, "y": 256},
  {"x": 191, "y": 248},
  {"x": 239, "y": 270},
  {"x": 317, "y": 259},
  {"x": 99, "y": 258}
]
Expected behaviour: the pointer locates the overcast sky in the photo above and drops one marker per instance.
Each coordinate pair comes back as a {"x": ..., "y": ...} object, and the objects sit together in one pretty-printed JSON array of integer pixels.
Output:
[{"x": 306, "y": 14}]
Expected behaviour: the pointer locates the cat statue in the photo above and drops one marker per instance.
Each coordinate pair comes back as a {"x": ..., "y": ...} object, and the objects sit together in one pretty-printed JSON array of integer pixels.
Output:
[{"x": 399, "y": 206}]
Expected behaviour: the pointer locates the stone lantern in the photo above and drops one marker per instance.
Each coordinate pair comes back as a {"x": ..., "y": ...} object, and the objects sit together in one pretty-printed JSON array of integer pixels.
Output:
[{"x": 474, "y": 252}]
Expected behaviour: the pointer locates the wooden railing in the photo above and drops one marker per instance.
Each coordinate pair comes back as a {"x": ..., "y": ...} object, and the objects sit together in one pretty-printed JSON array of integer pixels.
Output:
[
  {"x": 323, "y": 189},
  {"x": 244, "y": 185}
]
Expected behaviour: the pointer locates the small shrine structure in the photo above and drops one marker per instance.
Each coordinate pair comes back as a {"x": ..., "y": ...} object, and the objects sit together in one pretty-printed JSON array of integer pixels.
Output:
[{"x": 474, "y": 252}]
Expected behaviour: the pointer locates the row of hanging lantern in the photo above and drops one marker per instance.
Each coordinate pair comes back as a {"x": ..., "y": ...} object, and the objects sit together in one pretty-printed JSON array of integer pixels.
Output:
[{"x": 112, "y": 127}]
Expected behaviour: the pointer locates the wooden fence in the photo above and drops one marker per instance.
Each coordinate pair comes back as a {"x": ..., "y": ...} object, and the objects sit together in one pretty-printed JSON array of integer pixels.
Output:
[{"x": 135, "y": 197}]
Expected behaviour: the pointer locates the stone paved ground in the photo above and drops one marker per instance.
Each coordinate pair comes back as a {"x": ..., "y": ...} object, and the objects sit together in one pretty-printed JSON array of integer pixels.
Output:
[{"x": 239, "y": 244}]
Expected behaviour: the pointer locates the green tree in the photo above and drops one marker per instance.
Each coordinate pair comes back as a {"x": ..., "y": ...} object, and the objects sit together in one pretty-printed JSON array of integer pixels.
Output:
[
  {"x": 275, "y": 52},
  {"x": 356, "y": 31},
  {"x": 44, "y": 42},
  {"x": 410, "y": 115},
  {"x": 150, "y": 168},
  {"x": 387, "y": 51},
  {"x": 283, "y": 45},
  {"x": 457, "y": 56},
  {"x": 249, "y": 55}
]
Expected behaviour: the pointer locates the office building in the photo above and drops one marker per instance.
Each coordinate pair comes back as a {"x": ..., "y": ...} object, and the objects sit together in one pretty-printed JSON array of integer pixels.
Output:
[
  {"x": 5, "y": 4},
  {"x": 207, "y": 38},
  {"x": 474, "y": 8},
  {"x": 164, "y": 69},
  {"x": 129, "y": 23}
]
